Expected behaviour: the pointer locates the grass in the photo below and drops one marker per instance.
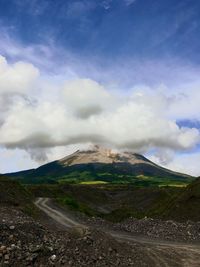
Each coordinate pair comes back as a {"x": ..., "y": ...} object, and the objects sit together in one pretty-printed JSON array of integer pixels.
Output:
[
  {"x": 174, "y": 185},
  {"x": 75, "y": 205},
  {"x": 93, "y": 182}
]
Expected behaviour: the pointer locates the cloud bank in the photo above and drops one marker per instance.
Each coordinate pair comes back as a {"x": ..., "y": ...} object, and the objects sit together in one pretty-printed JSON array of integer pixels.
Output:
[
  {"x": 17, "y": 77},
  {"x": 83, "y": 111}
]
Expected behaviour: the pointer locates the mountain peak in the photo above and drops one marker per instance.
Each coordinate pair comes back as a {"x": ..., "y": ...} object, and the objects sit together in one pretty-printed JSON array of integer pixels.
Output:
[
  {"x": 98, "y": 154},
  {"x": 103, "y": 164}
]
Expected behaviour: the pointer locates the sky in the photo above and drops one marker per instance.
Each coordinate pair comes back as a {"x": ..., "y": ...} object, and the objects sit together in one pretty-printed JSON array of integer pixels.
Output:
[{"x": 123, "y": 74}]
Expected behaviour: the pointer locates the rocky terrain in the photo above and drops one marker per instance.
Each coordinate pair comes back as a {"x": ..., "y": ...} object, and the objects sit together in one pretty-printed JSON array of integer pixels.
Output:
[
  {"x": 25, "y": 242},
  {"x": 153, "y": 228},
  {"x": 49, "y": 235},
  {"x": 158, "y": 249},
  {"x": 165, "y": 230}
]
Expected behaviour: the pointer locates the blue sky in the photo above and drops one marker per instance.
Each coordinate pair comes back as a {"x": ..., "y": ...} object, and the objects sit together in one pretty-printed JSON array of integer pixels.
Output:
[
  {"x": 93, "y": 61},
  {"x": 108, "y": 29},
  {"x": 107, "y": 34}
]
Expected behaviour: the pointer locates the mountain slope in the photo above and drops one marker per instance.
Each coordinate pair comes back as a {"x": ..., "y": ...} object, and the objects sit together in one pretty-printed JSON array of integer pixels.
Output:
[
  {"x": 187, "y": 204},
  {"x": 101, "y": 164}
]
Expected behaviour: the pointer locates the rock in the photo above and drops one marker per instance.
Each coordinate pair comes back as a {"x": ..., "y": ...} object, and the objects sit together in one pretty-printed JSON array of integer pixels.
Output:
[
  {"x": 34, "y": 245},
  {"x": 11, "y": 237},
  {"x": 110, "y": 249},
  {"x": 36, "y": 249},
  {"x": 12, "y": 227},
  {"x": 2, "y": 248},
  {"x": 79, "y": 231},
  {"x": 53, "y": 257},
  {"x": 12, "y": 246},
  {"x": 6, "y": 257}
]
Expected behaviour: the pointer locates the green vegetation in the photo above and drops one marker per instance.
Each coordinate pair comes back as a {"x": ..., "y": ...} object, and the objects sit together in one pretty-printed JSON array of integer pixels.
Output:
[
  {"x": 75, "y": 205},
  {"x": 93, "y": 182},
  {"x": 116, "y": 202},
  {"x": 46, "y": 190},
  {"x": 113, "y": 202},
  {"x": 141, "y": 175},
  {"x": 99, "y": 178}
]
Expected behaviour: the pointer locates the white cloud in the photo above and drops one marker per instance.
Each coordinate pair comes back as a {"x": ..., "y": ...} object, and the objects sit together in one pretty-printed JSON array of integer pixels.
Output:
[
  {"x": 86, "y": 97},
  {"x": 184, "y": 163},
  {"x": 106, "y": 4},
  {"x": 78, "y": 111},
  {"x": 40, "y": 55},
  {"x": 129, "y": 2},
  {"x": 17, "y": 77},
  {"x": 186, "y": 103},
  {"x": 91, "y": 113}
]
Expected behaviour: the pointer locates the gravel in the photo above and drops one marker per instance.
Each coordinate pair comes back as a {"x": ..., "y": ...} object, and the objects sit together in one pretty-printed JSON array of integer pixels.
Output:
[
  {"x": 25, "y": 242},
  {"x": 153, "y": 228}
]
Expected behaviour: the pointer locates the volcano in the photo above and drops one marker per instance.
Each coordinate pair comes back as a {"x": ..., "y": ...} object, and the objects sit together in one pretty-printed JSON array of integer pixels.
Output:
[{"x": 102, "y": 165}]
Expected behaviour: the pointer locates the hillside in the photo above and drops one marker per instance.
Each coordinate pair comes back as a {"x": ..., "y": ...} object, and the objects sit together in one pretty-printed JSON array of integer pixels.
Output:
[
  {"x": 119, "y": 202},
  {"x": 187, "y": 204},
  {"x": 102, "y": 165},
  {"x": 12, "y": 193}
]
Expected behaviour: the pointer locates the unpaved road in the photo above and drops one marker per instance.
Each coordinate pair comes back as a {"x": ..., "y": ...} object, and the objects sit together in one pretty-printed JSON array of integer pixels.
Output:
[
  {"x": 160, "y": 253},
  {"x": 58, "y": 216}
]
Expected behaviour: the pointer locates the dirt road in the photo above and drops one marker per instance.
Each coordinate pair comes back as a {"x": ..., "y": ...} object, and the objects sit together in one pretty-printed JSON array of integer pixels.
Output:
[{"x": 160, "y": 253}]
